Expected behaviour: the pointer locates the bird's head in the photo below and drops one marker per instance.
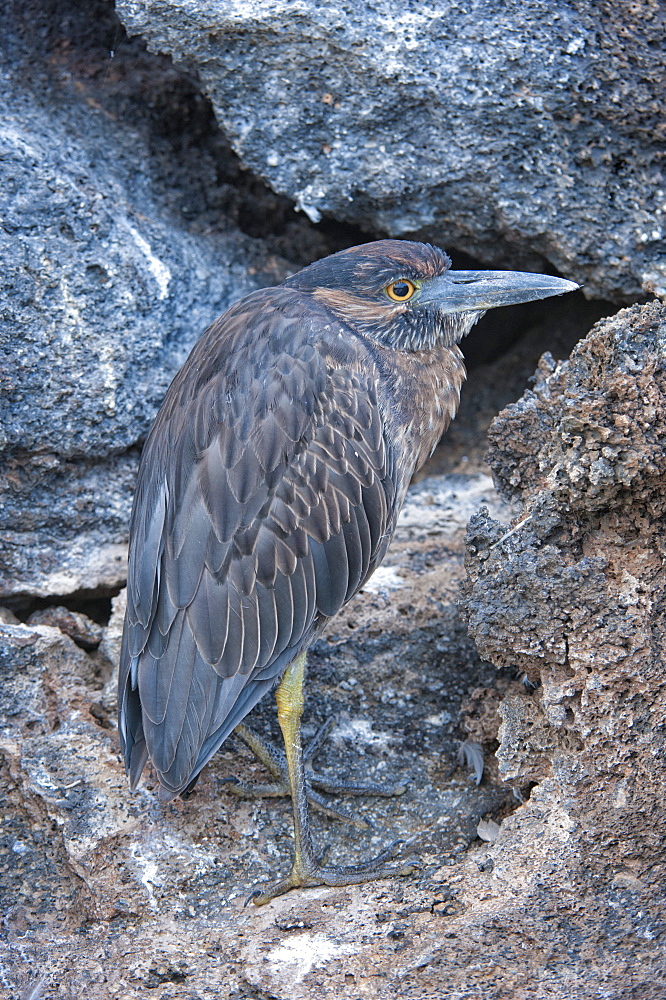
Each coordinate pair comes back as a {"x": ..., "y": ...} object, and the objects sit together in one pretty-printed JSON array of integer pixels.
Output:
[{"x": 405, "y": 296}]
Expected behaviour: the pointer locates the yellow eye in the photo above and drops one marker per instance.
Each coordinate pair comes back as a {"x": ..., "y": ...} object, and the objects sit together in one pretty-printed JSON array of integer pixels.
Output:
[{"x": 400, "y": 290}]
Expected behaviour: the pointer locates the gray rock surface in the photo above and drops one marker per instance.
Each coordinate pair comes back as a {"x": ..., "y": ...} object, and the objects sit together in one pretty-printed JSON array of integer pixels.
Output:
[
  {"x": 518, "y": 132},
  {"x": 127, "y": 225},
  {"x": 561, "y": 897},
  {"x": 106, "y": 281}
]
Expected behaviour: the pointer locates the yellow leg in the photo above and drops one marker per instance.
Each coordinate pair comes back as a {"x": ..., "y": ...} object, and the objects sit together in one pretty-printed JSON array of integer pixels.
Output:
[
  {"x": 307, "y": 870},
  {"x": 290, "y": 701}
]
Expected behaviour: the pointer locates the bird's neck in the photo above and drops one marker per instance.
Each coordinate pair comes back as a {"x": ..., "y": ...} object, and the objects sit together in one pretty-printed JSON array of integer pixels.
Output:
[{"x": 419, "y": 396}]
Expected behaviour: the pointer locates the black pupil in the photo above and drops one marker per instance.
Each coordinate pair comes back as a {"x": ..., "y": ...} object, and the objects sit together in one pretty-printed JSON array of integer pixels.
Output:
[{"x": 401, "y": 289}]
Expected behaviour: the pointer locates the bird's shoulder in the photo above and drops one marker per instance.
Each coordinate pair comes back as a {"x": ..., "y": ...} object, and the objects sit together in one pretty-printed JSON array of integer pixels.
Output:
[{"x": 275, "y": 347}]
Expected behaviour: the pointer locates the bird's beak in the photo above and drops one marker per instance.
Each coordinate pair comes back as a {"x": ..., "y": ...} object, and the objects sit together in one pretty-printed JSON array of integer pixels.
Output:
[{"x": 476, "y": 291}]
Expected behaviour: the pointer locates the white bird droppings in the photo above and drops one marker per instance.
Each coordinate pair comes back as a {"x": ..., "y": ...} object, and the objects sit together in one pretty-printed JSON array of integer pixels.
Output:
[{"x": 303, "y": 951}]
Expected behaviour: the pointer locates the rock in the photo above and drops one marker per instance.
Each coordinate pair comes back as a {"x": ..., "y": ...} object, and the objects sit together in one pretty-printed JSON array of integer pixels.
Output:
[
  {"x": 517, "y": 133},
  {"x": 128, "y": 225},
  {"x": 86, "y": 633},
  {"x": 113, "y": 633},
  {"x": 106, "y": 279},
  {"x": 64, "y": 766},
  {"x": 159, "y": 891},
  {"x": 573, "y": 594},
  {"x": 108, "y": 894},
  {"x": 594, "y": 426},
  {"x": 110, "y": 649}
]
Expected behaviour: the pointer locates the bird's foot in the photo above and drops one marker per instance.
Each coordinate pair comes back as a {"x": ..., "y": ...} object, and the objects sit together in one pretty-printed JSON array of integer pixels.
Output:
[
  {"x": 276, "y": 763},
  {"x": 308, "y": 871}
]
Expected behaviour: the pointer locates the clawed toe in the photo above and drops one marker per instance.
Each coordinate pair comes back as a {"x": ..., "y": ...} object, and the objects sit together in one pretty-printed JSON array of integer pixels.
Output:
[
  {"x": 280, "y": 789},
  {"x": 308, "y": 872}
]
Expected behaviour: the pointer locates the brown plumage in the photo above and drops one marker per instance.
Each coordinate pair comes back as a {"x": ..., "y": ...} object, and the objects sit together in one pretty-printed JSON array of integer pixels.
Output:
[{"x": 272, "y": 479}]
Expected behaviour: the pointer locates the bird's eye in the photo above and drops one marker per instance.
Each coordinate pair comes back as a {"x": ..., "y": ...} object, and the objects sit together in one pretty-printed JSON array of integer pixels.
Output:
[{"x": 400, "y": 290}]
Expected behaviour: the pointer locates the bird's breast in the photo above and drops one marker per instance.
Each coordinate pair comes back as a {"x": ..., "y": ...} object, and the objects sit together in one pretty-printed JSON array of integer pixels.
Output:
[{"x": 420, "y": 397}]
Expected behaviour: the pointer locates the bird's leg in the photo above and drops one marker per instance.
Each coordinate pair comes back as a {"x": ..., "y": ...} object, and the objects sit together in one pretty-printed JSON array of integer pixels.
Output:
[
  {"x": 275, "y": 763},
  {"x": 306, "y": 869}
]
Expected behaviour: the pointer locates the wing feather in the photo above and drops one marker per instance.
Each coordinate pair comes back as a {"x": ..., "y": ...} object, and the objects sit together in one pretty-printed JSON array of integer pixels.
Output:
[
  {"x": 284, "y": 604},
  {"x": 337, "y": 559},
  {"x": 365, "y": 541},
  {"x": 251, "y": 627},
  {"x": 175, "y": 767},
  {"x": 144, "y": 578},
  {"x": 208, "y": 618},
  {"x": 354, "y": 552},
  {"x": 229, "y": 663},
  {"x": 268, "y": 631},
  {"x": 301, "y": 598},
  {"x": 223, "y": 508},
  {"x": 163, "y": 734}
]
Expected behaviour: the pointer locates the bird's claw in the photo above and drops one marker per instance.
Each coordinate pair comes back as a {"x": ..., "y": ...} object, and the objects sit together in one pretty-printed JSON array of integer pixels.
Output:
[{"x": 306, "y": 873}]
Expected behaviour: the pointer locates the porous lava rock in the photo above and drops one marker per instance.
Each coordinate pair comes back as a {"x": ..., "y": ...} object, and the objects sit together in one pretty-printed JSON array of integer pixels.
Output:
[
  {"x": 115, "y": 253},
  {"x": 573, "y": 595},
  {"x": 518, "y": 132}
]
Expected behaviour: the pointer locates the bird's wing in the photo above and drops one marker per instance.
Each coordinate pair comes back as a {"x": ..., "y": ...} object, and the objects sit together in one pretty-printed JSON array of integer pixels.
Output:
[{"x": 265, "y": 499}]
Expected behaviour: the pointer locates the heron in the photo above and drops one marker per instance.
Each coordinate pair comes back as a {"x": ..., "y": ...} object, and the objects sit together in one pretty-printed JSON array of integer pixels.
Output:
[{"x": 268, "y": 492}]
